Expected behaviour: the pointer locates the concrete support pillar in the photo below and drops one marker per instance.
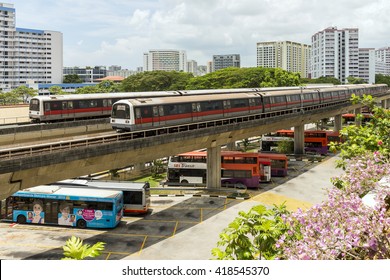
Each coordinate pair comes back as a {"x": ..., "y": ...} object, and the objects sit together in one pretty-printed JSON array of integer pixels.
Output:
[
  {"x": 139, "y": 166},
  {"x": 214, "y": 166},
  {"x": 337, "y": 122},
  {"x": 358, "y": 111},
  {"x": 231, "y": 146},
  {"x": 384, "y": 104},
  {"x": 299, "y": 140}
]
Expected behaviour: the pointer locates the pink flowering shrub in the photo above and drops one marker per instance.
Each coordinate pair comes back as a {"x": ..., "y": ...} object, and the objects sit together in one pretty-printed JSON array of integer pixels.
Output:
[{"x": 343, "y": 227}]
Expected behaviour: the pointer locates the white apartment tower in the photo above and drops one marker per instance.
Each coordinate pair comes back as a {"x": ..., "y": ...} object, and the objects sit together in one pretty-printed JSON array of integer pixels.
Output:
[
  {"x": 382, "y": 57},
  {"x": 335, "y": 53},
  {"x": 27, "y": 55},
  {"x": 367, "y": 65},
  {"x": 165, "y": 60},
  {"x": 290, "y": 56}
]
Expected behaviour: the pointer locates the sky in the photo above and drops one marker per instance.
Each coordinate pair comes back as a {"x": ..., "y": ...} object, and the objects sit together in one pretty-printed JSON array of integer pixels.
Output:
[{"x": 118, "y": 32}]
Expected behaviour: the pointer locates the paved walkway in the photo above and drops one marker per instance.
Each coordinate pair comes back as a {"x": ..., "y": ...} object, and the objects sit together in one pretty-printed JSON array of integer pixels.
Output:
[{"x": 197, "y": 242}]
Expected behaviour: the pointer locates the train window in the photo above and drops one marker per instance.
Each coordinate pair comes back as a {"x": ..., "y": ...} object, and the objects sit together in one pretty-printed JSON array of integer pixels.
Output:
[
  {"x": 211, "y": 105},
  {"x": 64, "y": 105},
  {"x": 239, "y": 103},
  {"x": 104, "y": 102},
  {"x": 295, "y": 97},
  {"x": 226, "y": 104},
  {"x": 47, "y": 106},
  {"x": 70, "y": 105},
  {"x": 184, "y": 108},
  {"x": 55, "y": 105},
  {"x": 171, "y": 109},
  {"x": 147, "y": 112}
]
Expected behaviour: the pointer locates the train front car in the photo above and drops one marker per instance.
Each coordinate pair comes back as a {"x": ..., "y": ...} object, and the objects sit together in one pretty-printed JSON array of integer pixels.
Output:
[
  {"x": 35, "y": 110},
  {"x": 122, "y": 116}
]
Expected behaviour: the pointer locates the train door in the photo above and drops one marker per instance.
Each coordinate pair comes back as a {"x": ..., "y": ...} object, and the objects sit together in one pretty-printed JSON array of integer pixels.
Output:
[
  {"x": 195, "y": 111},
  {"x": 64, "y": 111},
  {"x": 226, "y": 108},
  {"x": 158, "y": 116}
]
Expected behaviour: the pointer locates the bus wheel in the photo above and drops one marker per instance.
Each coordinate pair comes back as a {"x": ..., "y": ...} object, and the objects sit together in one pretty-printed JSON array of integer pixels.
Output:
[
  {"x": 81, "y": 223},
  {"x": 21, "y": 219},
  {"x": 184, "y": 182}
]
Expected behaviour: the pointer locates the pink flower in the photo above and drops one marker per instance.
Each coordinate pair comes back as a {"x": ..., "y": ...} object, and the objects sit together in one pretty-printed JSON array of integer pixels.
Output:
[{"x": 380, "y": 143}]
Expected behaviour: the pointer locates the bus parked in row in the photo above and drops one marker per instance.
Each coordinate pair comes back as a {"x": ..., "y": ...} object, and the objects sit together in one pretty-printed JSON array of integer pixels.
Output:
[
  {"x": 316, "y": 141},
  {"x": 236, "y": 168},
  {"x": 136, "y": 195},
  {"x": 56, "y": 204},
  {"x": 279, "y": 163}
]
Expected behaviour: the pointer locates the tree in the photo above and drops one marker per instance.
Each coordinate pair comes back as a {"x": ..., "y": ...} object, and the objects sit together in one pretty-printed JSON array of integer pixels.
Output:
[
  {"x": 252, "y": 235},
  {"x": 373, "y": 136},
  {"x": 354, "y": 80},
  {"x": 75, "y": 250},
  {"x": 382, "y": 79},
  {"x": 23, "y": 93},
  {"x": 286, "y": 147},
  {"x": 56, "y": 90},
  {"x": 245, "y": 78},
  {"x": 72, "y": 79},
  {"x": 156, "y": 81}
]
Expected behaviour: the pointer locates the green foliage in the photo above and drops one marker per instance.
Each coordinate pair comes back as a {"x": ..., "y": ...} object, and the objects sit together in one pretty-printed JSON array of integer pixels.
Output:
[
  {"x": 354, "y": 80},
  {"x": 156, "y": 81},
  {"x": 72, "y": 79},
  {"x": 285, "y": 147},
  {"x": 102, "y": 87},
  {"x": 56, "y": 90},
  {"x": 245, "y": 78},
  {"x": 158, "y": 167},
  {"x": 75, "y": 250},
  {"x": 19, "y": 94},
  {"x": 321, "y": 80},
  {"x": 382, "y": 79},
  {"x": 252, "y": 235},
  {"x": 374, "y": 136}
]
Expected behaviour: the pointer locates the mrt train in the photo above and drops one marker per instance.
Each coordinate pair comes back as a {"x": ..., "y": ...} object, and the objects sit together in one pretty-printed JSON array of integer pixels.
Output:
[
  {"x": 80, "y": 106},
  {"x": 144, "y": 113}
]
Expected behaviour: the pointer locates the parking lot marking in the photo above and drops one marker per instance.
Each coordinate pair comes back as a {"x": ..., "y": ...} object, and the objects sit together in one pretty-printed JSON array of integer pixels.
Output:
[
  {"x": 175, "y": 228},
  {"x": 270, "y": 198},
  {"x": 142, "y": 245}
]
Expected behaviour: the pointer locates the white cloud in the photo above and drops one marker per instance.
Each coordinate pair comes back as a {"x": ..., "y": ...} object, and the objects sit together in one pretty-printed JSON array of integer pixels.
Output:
[{"x": 100, "y": 32}]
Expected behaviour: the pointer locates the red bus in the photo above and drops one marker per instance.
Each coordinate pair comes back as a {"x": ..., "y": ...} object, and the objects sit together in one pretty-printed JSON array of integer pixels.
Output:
[
  {"x": 236, "y": 167},
  {"x": 279, "y": 163},
  {"x": 315, "y": 140},
  {"x": 350, "y": 118}
]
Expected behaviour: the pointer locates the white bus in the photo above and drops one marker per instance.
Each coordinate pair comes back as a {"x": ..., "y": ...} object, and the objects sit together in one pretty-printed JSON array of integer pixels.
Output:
[{"x": 136, "y": 196}]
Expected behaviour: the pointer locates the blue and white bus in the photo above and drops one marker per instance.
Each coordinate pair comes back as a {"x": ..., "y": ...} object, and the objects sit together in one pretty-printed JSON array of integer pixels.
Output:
[
  {"x": 60, "y": 205},
  {"x": 136, "y": 195}
]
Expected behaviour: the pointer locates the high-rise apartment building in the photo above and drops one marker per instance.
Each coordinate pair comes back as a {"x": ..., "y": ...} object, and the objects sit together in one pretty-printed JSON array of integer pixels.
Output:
[
  {"x": 382, "y": 63},
  {"x": 367, "y": 65},
  {"x": 335, "y": 53},
  {"x": 27, "y": 55},
  {"x": 192, "y": 67},
  {"x": 165, "y": 60},
  {"x": 226, "y": 60},
  {"x": 290, "y": 56}
]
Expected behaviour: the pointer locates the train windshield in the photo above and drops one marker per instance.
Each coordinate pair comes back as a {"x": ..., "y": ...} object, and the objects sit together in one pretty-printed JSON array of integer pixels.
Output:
[
  {"x": 121, "y": 111},
  {"x": 34, "y": 105}
]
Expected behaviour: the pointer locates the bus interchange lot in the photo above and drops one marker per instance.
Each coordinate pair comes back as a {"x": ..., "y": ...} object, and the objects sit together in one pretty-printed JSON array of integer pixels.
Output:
[{"x": 170, "y": 215}]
